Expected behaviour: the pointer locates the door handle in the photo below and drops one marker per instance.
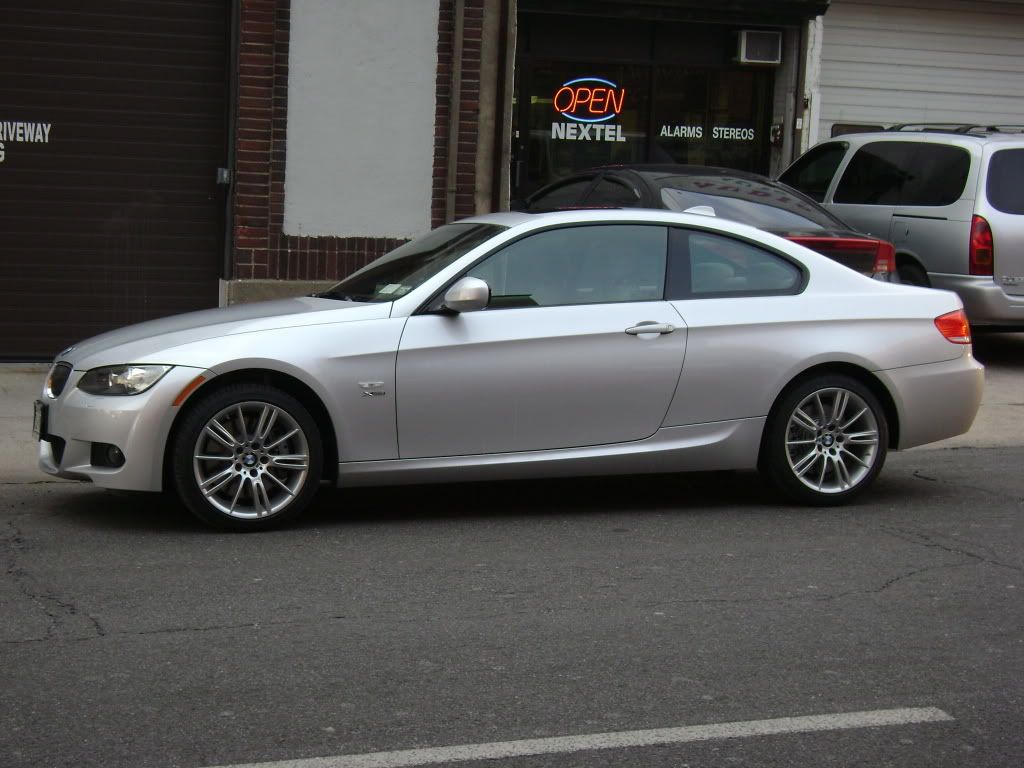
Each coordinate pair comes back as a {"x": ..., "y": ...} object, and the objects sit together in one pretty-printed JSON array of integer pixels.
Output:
[{"x": 649, "y": 326}]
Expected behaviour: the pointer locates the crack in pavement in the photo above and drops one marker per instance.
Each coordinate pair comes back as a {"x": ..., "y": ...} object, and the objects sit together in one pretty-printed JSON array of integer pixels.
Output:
[
  {"x": 926, "y": 539},
  {"x": 919, "y": 475},
  {"x": 59, "y": 611}
]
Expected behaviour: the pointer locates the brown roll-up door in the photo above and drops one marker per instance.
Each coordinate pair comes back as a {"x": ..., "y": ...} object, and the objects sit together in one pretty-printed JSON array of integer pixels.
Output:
[{"x": 113, "y": 123}]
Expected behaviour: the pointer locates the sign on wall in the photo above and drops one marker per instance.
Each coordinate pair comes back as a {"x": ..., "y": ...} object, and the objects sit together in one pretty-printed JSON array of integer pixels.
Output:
[{"x": 19, "y": 132}]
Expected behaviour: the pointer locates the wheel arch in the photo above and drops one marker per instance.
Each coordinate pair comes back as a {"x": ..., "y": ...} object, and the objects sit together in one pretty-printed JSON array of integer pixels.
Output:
[
  {"x": 283, "y": 381},
  {"x": 907, "y": 259},
  {"x": 864, "y": 376}
]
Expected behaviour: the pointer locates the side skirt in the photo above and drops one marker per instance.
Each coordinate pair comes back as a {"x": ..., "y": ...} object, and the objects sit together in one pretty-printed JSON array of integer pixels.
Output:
[{"x": 707, "y": 447}]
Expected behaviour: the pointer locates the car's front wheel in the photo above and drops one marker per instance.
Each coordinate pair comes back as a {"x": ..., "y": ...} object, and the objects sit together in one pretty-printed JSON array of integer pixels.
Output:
[
  {"x": 826, "y": 440},
  {"x": 247, "y": 457}
]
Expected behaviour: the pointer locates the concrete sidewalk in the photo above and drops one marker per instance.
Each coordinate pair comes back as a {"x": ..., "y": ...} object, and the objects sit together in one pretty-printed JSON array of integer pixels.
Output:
[{"x": 1000, "y": 421}]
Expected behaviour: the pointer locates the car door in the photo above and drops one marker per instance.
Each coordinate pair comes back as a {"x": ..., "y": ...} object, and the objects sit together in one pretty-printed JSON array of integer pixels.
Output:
[
  {"x": 746, "y": 325},
  {"x": 932, "y": 220},
  {"x": 577, "y": 347}
]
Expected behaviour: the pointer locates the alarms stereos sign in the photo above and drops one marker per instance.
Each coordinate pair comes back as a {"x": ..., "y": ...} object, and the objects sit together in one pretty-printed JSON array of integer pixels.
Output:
[{"x": 589, "y": 104}]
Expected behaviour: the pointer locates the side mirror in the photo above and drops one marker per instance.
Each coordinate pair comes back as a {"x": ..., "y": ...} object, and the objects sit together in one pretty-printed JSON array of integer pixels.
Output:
[{"x": 468, "y": 295}]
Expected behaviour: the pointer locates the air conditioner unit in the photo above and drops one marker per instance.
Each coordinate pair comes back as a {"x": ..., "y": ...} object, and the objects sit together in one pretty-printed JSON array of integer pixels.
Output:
[{"x": 758, "y": 46}]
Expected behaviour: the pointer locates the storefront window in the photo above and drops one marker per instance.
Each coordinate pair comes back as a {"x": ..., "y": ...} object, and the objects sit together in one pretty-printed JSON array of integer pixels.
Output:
[
  {"x": 583, "y": 116},
  {"x": 680, "y": 98}
]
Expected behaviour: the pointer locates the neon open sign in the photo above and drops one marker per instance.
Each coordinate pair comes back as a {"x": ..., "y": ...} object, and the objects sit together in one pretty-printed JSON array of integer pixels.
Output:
[{"x": 589, "y": 100}]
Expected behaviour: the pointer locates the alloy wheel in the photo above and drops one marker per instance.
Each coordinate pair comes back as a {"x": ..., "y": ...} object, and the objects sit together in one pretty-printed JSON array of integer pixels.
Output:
[
  {"x": 832, "y": 440},
  {"x": 251, "y": 460}
]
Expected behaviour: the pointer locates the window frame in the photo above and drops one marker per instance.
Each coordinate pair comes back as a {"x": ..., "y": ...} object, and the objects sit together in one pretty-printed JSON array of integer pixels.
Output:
[
  {"x": 680, "y": 268},
  {"x": 433, "y": 305}
]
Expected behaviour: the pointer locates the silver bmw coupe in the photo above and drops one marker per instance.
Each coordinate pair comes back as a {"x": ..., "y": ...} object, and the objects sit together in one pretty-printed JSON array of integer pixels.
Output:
[{"x": 522, "y": 345}]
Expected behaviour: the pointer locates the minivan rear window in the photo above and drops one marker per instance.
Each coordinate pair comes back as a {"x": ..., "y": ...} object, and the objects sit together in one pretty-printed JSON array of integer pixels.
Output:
[{"x": 1004, "y": 189}]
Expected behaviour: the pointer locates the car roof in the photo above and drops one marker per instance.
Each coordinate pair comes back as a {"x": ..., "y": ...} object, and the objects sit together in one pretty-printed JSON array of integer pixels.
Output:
[
  {"x": 930, "y": 136},
  {"x": 660, "y": 170},
  {"x": 531, "y": 221}
]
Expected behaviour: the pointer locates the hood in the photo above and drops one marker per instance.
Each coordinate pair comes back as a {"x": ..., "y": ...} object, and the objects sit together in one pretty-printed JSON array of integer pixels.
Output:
[{"x": 146, "y": 342}]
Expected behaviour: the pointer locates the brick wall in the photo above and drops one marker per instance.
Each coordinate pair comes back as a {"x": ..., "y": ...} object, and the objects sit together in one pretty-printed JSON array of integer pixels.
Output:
[
  {"x": 468, "y": 108},
  {"x": 260, "y": 249}
]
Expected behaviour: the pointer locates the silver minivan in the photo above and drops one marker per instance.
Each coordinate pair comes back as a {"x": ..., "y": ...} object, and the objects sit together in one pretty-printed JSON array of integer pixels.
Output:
[{"x": 950, "y": 199}]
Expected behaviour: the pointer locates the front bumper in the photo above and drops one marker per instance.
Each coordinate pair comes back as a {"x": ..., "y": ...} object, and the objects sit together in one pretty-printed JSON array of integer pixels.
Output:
[
  {"x": 137, "y": 424},
  {"x": 985, "y": 302},
  {"x": 937, "y": 400}
]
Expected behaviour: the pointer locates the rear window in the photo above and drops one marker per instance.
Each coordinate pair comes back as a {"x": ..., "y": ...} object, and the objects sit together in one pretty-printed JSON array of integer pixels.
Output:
[
  {"x": 1004, "y": 189},
  {"x": 769, "y": 207}
]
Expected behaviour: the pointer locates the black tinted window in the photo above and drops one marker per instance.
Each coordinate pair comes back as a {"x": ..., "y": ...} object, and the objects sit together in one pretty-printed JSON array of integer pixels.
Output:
[
  {"x": 813, "y": 172},
  {"x": 578, "y": 265},
  {"x": 937, "y": 175},
  {"x": 876, "y": 174},
  {"x": 564, "y": 195},
  {"x": 1004, "y": 188},
  {"x": 613, "y": 193},
  {"x": 905, "y": 173}
]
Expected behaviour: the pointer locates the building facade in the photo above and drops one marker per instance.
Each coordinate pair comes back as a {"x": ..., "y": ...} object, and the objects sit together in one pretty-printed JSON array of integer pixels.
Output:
[{"x": 161, "y": 157}]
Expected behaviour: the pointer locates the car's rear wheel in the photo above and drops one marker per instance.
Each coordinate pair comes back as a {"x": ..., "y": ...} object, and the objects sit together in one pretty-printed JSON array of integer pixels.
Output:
[
  {"x": 826, "y": 440},
  {"x": 912, "y": 274},
  {"x": 247, "y": 457}
]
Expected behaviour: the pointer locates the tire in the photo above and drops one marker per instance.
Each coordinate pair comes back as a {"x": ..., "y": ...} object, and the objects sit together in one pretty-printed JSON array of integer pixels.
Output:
[
  {"x": 247, "y": 457},
  {"x": 911, "y": 273},
  {"x": 817, "y": 456}
]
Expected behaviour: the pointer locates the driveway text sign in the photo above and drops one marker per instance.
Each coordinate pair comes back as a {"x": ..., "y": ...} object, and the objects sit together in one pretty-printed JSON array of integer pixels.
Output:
[
  {"x": 22, "y": 133},
  {"x": 589, "y": 104}
]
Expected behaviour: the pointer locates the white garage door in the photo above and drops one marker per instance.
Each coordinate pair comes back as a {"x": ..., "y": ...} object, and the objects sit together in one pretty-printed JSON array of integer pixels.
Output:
[{"x": 922, "y": 61}]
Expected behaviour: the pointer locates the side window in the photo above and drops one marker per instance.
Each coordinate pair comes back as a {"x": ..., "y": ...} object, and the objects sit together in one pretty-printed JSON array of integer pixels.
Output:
[
  {"x": 565, "y": 195},
  {"x": 876, "y": 174},
  {"x": 706, "y": 265},
  {"x": 813, "y": 172},
  {"x": 938, "y": 175},
  {"x": 578, "y": 265},
  {"x": 613, "y": 193}
]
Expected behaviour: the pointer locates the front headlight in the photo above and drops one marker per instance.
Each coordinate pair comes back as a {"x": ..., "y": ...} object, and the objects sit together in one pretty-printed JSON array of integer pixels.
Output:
[{"x": 122, "y": 379}]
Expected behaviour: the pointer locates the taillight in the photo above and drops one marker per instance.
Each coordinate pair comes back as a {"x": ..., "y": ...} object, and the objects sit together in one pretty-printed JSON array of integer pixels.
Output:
[
  {"x": 865, "y": 254},
  {"x": 981, "y": 251},
  {"x": 885, "y": 257},
  {"x": 954, "y": 327}
]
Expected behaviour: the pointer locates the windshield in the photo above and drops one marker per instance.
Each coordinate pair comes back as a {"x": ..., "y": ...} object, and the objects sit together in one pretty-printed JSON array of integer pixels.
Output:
[
  {"x": 769, "y": 207},
  {"x": 407, "y": 267}
]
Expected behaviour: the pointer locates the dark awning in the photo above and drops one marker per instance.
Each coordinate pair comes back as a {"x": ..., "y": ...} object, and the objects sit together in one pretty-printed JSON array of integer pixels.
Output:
[{"x": 761, "y": 12}]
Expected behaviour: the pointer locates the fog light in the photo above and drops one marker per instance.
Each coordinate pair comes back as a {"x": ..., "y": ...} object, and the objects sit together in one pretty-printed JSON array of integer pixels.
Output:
[{"x": 106, "y": 455}]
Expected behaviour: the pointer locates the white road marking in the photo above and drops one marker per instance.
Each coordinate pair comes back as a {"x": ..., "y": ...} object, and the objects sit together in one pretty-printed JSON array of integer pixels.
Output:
[{"x": 497, "y": 750}]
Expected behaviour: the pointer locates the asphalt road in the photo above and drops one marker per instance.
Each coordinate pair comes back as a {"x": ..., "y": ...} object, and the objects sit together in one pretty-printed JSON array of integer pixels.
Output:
[
  {"x": 400, "y": 619},
  {"x": 395, "y": 619}
]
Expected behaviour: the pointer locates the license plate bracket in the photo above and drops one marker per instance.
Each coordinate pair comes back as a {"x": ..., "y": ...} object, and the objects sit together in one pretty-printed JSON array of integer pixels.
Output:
[{"x": 39, "y": 414}]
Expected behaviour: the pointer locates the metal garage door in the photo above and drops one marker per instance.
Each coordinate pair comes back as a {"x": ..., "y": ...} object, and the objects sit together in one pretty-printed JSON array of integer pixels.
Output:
[
  {"x": 922, "y": 61},
  {"x": 113, "y": 122}
]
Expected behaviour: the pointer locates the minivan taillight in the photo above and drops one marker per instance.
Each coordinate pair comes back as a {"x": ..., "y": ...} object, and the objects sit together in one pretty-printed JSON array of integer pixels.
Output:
[
  {"x": 954, "y": 327},
  {"x": 981, "y": 251}
]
